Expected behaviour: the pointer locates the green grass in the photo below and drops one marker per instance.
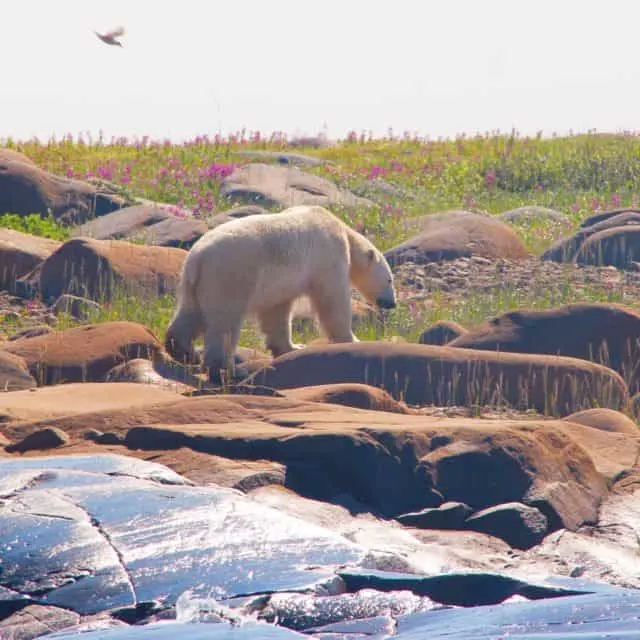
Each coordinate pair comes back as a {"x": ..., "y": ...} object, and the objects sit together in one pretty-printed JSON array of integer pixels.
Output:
[
  {"x": 576, "y": 175},
  {"x": 36, "y": 225}
]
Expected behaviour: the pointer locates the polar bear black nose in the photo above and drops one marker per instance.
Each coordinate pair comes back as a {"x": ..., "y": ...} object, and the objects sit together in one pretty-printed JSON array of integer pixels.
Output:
[{"x": 385, "y": 303}]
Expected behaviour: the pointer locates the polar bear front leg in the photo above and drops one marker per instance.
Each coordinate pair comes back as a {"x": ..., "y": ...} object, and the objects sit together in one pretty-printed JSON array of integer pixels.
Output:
[
  {"x": 275, "y": 323},
  {"x": 332, "y": 303},
  {"x": 221, "y": 343}
]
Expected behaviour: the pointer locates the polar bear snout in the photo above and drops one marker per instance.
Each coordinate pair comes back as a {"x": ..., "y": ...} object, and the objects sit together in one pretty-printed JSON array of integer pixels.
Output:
[{"x": 386, "y": 303}]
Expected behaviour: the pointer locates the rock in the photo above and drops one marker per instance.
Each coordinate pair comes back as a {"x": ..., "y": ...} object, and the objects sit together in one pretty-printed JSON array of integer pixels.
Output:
[
  {"x": 20, "y": 253},
  {"x": 103, "y": 269},
  {"x": 618, "y": 247},
  {"x": 605, "y": 333},
  {"x": 36, "y": 620},
  {"x": 532, "y": 214},
  {"x": 605, "y": 420},
  {"x": 361, "y": 396},
  {"x": 83, "y": 354},
  {"x": 453, "y": 237},
  {"x": 393, "y": 463},
  {"x": 66, "y": 400},
  {"x": 26, "y": 189},
  {"x": 286, "y": 158},
  {"x": 449, "y": 515},
  {"x": 107, "y": 532},
  {"x": 441, "y": 333},
  {"x": 11, "y": 155},
  {"x": 519, "y": 525},
  {"x": 122, "y": 224},
  {"x": 14, "y": 372},
  {"x": 75, "y": 306},
  {"x": 233, "y": 214},
  {"x": 567, "y": 249},
  {"x": 460, "y": 589},
  {"x": 599, "y": 613},
  {"x": 482, "y": 469},
  {"x": 47, "y": 438},
  {"x": 603, "y": 216},
  {"x": 181, "y": 233},
  {"x": 147, "y": 224},
  {"x": 425, "y": 375},
  {"x": 31, "y": 332},
  {"x": 285, "y": 187}
]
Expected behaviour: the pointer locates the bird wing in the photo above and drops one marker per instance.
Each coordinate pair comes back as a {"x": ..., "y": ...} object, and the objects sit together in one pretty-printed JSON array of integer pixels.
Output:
[{"x": 116, "y": 33}]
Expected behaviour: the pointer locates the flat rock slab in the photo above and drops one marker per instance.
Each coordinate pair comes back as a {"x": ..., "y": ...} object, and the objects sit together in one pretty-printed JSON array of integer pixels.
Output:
[
  {"x": 77, "y": 398},
  {"x": 100, "y": 535}
]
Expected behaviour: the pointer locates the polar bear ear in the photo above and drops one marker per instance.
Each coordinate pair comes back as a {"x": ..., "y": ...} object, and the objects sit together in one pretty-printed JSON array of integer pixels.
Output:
[{"x": 371, "y": 254}]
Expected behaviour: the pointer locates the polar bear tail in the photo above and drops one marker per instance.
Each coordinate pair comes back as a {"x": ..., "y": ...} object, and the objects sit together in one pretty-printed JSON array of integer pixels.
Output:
[{"x": 186, "y": 324}]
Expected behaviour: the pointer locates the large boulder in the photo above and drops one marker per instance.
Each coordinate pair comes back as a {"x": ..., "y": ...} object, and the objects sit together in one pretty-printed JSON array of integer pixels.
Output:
[
  {"x": 441, "y": 333},
  {"x": 83, "y": 354},
  {"x": 449, "y": 237},
  {"x": 20, "y": 253},
  {"x": 569, "y": 248},
  {"x": 427, "y": 374},
  {"x": 25, "y": 189},
  {"x": 284, "y": 187},
  {"x": 102, "y": 269},
  {"x": 150, "y": 224},
  {"x": 604, "y": 333},
  {"x": 618, "y": 247}
]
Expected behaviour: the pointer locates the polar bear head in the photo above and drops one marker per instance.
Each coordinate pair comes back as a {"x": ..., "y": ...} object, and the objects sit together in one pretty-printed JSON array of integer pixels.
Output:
[{"x": 371, "y": 274}]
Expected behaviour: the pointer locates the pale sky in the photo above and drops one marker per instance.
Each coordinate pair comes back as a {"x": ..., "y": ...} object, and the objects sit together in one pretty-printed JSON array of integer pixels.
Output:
[{"x": 435, "y": 67}]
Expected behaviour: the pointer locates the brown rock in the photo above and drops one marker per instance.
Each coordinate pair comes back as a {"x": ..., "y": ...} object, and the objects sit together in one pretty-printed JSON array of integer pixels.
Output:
[
  {"x": 449, "y": 515},
  {"x": 11, "y": 155},
  {"x": 392, "y": 462},
  {"x": 46, "y": 403},
  {"x": 47, "y": 438},
  {"x": 605, "y": 420},
  {"x": 617, "y": 247},
  {"x": 83, "y": 354},
  {"x": 441, "y": 333},
  {"x": 361, "y": 396},
  {"x": 31, "y": 332},
  {"x": 102, "y": 269},
  {"x": 177, "y": 232},
  {"x": 25, "y": 189},
  {"x": 20, "y": 253},
  {"x": 36, "y": 620},
  {"x": 121, "y": 224},
  {"x": 14, "y": 373},
  {"x": 463, "y": 235},
  {"x": 605, "y": 333},
  {"x": 283, "y": 186},
  {"x": 566, "y": 249},
  {"x": 602, "y": 216},
  {"x": 233, "y": 214},
  {"x": 426, "y": 374}
]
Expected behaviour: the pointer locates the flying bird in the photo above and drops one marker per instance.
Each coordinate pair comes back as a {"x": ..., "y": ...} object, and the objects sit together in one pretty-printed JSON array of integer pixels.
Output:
[{"x": 110, "y": 37}]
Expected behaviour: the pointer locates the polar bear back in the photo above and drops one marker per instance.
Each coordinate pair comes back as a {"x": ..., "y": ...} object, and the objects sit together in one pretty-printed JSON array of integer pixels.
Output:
[{"x": 270, "y": 257}]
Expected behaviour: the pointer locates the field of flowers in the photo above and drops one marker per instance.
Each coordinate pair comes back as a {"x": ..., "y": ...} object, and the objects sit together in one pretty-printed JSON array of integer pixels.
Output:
[{"x": 577, "y": 175}]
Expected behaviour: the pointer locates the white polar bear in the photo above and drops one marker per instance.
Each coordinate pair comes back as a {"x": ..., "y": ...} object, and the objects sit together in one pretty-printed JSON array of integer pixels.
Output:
[{"x": 259, "y": 265}]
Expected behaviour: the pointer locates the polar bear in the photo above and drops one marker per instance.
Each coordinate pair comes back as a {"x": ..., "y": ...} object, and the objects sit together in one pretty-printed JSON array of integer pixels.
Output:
[{"x": 258, "y": 266}]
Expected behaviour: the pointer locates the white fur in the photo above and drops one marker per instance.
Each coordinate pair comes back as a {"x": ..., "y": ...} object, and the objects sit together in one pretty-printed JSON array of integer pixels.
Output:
[{"x": 259, "y": 265}]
